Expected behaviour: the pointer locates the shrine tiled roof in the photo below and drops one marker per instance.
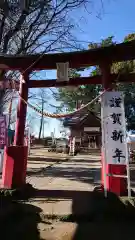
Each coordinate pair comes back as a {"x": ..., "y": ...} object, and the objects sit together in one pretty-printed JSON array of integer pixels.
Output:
[{"x": 79, "y": 118}]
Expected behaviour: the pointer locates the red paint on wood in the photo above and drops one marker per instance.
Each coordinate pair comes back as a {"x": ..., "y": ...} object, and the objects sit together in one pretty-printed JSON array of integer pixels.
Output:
[
  {"x": 93, "y": 57},
  {"x": 129, "y": 77},
  {"x": 81, "y": 81},
  {"x": 7, "y": 173},
  {"x": 21, "y": 113},
  {"x": 14, "y": 167},
  {"x": 116, "y": 185}
]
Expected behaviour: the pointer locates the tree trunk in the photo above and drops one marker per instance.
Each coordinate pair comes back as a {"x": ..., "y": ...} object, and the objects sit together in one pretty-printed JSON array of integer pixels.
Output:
[{"x": 41, "y": 120}]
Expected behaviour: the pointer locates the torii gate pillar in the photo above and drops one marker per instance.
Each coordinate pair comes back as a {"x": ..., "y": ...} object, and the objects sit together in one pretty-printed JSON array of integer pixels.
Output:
[
  {"x": 15, "y": 157},
  {"x": 115, "y": 185}
]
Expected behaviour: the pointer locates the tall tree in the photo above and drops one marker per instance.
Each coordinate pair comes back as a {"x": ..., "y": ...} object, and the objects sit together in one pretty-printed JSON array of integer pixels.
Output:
[
  {"x": 36, "y": 26},
  {"x": 84, "y": 94},
  {"x": 40, "y": 100},
  {"x": 68, "y": 97},
  {"x": 127, "y": 88}
]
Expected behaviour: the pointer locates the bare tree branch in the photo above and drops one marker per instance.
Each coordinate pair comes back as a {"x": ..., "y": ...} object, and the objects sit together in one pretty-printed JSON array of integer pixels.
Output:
[{"x": 43, "y": 26}]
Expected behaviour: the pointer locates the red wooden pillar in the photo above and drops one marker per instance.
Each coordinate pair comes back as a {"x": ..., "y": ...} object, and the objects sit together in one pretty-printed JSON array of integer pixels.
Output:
[
  {"x": 21, "y": 111},
  {"x": 15, "y": 157},
  {"x": 115, "y": 185}
]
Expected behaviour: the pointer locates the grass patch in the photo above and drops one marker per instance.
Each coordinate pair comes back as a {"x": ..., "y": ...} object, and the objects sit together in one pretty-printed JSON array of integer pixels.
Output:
[
  {"x": 101, "y": 209},
  {"x": 23, "y": 193}
]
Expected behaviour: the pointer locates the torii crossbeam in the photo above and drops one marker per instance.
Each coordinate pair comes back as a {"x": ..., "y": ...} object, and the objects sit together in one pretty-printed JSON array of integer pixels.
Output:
[
  {"x": 123, "y": 78},
  {"x": 114, "y": 53}
]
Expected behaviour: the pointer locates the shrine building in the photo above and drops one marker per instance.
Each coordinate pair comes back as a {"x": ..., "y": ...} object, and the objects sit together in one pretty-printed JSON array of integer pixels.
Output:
[{"x": 85, "y": 126}]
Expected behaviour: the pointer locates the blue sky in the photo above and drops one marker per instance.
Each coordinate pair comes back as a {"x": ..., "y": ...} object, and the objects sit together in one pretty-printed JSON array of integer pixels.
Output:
[{"x": 115, "y": 17}]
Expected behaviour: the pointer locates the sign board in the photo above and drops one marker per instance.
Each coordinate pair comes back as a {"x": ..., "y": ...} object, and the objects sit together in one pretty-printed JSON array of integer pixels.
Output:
[
  {"x": 114, "y": 128},
  {"x": 91, "y": 129},
  {"x": 3, "y": 130},
  {"x": 62, "y": 72}
]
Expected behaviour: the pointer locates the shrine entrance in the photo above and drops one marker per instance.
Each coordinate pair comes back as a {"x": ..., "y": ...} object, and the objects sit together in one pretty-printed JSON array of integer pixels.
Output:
[
  {"x": 14, "y": 171},
  {"x": 85, "y": 126}
]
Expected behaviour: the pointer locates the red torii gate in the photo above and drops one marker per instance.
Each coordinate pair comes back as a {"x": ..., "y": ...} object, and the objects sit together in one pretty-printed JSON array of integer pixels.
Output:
[{"x": 15, "y": 157}]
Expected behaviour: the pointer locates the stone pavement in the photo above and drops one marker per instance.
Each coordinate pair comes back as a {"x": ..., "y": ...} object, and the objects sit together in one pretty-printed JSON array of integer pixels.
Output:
[{"x": 62, "y": 181}]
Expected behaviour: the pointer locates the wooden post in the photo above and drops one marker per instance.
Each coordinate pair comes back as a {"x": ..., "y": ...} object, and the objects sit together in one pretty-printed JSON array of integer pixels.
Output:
[
  {"x": 21, "y": 111},
  {"x": 105, "y": 71}
]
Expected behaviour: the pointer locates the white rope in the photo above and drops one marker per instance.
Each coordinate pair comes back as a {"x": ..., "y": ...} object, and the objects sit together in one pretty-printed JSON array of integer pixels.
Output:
[{"x": 61, "y": 115}]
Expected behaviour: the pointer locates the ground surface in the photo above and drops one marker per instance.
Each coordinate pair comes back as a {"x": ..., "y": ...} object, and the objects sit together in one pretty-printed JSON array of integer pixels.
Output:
[
  {"x": 64, "y": 186},
  {"x": 60, "y": 179}
]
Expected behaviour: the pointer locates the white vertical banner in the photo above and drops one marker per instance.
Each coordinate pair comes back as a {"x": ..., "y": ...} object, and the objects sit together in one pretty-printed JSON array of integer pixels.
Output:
[
  {"x": 114, "y": 128},
  {"x": 29, "y": 136},
  {"x": 72, "y": 146},
  {"x": 62, "y": 72},
  {"x": 27, "y": 139},
  {"x": 114, "y": 142}
]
